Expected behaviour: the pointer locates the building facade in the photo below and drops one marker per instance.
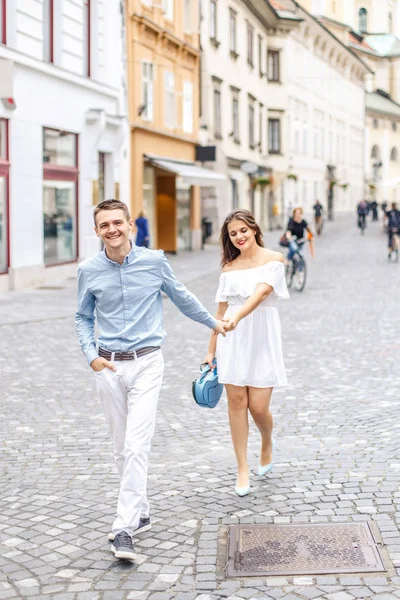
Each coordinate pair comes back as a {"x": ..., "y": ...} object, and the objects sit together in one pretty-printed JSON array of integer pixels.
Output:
[
  {"x": 163, "y": 74},
  {"x": 62, "y": 130},
  {"x": 243, "y": 103},
  {"x": 325, "y": 119},
  {"x": 287, "y": 116},
  {"x": 371, "y": 29}
]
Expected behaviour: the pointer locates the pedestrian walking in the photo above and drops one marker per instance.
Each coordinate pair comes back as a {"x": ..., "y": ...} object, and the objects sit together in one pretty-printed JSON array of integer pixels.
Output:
[
  {"x": 362, "y": 212},
  {"x": 249, "y": 360},
  {"x": 122, "y": 287},
  {"x": 318, "y": 209},
  {"x": 374, "y": 209},
  {"x": 142, "y": 235}
]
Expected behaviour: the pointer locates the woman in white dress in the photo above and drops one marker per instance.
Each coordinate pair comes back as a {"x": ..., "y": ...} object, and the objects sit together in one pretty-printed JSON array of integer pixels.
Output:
[{"x": 249, "y": 359}]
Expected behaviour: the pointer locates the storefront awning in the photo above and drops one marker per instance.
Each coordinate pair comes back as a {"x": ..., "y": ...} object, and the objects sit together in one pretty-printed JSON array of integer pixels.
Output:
[{"x": 190, "y": 173}]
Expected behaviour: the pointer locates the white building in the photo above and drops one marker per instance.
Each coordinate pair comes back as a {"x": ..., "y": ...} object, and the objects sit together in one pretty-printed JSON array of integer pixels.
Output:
[
  {"x": 63, "y": 132},
  {"x": 371, "y": 28},
  {"x": 283, "y": 98},
  {"x": 325, "y": 119}
]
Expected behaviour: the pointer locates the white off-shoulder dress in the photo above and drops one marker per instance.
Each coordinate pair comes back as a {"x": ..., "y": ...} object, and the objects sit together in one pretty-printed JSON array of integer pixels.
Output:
[{"x": 251, "y": 354}]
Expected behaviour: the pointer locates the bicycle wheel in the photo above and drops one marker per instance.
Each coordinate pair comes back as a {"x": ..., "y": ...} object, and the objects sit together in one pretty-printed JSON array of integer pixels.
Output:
[
  {"x": 289, "y": 273},
  {"x": 300, "y": 272}
]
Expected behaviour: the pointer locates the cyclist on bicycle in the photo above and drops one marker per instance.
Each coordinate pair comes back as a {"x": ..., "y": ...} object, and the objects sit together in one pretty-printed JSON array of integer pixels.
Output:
[
  {"x": 362, "y": 211},
  {"x": 295, "y": 232},
  {"x": 393, "y": 225}
]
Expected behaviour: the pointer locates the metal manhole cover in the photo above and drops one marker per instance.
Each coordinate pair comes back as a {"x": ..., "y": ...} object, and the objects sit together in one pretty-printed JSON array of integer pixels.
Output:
[{"x": 255, "y": 550}]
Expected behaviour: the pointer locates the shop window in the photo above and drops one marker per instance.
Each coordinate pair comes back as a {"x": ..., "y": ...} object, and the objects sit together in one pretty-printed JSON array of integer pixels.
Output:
[
  {"x": 4, "y": 196},
  {"x": 60, "y": 197}
]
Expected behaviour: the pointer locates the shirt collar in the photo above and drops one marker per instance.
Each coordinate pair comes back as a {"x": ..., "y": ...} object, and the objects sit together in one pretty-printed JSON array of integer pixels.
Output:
[{"x": 128, "y": 258}]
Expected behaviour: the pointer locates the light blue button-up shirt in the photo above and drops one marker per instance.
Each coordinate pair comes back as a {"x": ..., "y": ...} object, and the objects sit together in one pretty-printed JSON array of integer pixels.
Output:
[{"x": 127, "y": 302}]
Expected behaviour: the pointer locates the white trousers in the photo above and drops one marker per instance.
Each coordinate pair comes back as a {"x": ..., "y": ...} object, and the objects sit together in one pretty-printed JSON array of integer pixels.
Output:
[{"x": 129, "y": 398}]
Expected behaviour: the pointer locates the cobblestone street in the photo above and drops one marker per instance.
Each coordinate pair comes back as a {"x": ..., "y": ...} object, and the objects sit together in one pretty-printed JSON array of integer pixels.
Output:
[{"x": 337, "y": 430}]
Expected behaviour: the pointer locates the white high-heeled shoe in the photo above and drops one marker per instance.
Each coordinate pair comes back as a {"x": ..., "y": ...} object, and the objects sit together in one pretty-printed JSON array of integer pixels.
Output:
[
  {"x": 264, "y": 469},
  {"x": 242, "y": 491}
]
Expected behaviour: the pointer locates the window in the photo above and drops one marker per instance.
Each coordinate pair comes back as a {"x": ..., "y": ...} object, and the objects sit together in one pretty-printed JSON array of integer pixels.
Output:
[
  {"x": 232, "y": 32},
  {"x": 235, "y": 116},
  {"x": 375, "y": 152},
  {"x": 260, "y": 56},
  {"x": 393, "y": 155},
  {"x": 188, "y": 16},
  {"x": 86, "y": 38},
  {"x": 4, "y": 196},
  {"x": 235, "y": 195},
  {"x": 362, "y": 20},
  {"x": 213, "y": 19},
  {"x": 48, "y": 12},
  {"x": 273, "y": 65},
  {"x": 147, "y": 91},
  {"x": 187, "y": 107},
  {"x": 390, "y": 22},
  {"x": 375, "y": 123},
  {"x": 250, "y": 37},
  {"x": 274, "y": 136},
  {"x": 251, "y": 123},
  {"x": 169, "y": 99},
  {"x": 394, "y": 126},
  {"x": 60, "y": 183},
  {"x": 3, "y": 22},
  {"x": 169, "y": 9},
  {"x": 217, "y": 110},
  {"x": 260, "y": 129}
]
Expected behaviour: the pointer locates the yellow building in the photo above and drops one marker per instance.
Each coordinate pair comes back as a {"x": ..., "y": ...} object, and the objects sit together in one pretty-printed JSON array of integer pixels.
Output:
[{"x": 163, "y": 77}]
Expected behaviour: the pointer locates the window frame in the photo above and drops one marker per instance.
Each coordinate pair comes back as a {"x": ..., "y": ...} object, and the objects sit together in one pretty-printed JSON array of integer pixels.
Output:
[
  {"x": 362, "y": 19},
  {"x": 168, "y": 9},
  {"x": 213, "y": 20},
  {"x": 3, "y": 22},
  {"x": 169, "y": 100},
  {"x": 52, "y": 172},
  {"x": 271, "y": 148},
  {"x": 233, "y": 32},
  {"x": 217, "y": 110},
  {"x": 188, "y": 16},
  {"x": 251, "y": 122},
  {"x": 260, "y": 56},
  {"x": 5, "y": 173},
  {"x": 87, "y": 38},
  {"x": 250, "y": 44},
  {"x": 145, "y": 79},
  {"x": 48, "y": 29},
  {"x": 235, "y": 107},
  {"x": 274, "y": 58},
  {"x": 185, "y": 116}
]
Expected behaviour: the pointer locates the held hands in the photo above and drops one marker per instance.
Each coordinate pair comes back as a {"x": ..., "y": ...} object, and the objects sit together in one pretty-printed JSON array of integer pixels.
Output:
[
  {"x": 98, "y": 364},
  {"x": 219, "y": 328},
  {"x": 230, "y": 324}
]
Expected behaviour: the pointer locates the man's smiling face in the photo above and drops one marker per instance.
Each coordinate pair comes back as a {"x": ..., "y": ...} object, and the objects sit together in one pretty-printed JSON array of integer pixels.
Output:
[{"x": 113, "y": 228}]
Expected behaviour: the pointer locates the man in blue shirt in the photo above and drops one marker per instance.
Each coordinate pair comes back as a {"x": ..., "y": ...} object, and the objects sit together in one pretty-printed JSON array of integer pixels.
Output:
[{"x": 122, "y": 286}]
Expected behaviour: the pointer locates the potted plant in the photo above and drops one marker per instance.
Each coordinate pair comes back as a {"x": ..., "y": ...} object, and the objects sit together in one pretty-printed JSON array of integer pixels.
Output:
[
  {"x": 261, "y": 182},
  {"x": 344, "y": 186},
  {"x": 292, "y": 176}
]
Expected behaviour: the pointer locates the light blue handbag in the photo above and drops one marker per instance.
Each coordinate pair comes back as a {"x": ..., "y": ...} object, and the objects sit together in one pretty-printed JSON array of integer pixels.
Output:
[{"x": 206, "y": 389}]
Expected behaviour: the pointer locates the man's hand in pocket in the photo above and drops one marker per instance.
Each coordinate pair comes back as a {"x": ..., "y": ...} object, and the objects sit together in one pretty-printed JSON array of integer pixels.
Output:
[{"x": 98, "y": 364}]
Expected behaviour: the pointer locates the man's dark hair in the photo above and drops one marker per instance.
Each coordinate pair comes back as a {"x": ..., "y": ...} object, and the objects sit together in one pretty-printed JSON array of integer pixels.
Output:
[{"x": 111, "y": 205}]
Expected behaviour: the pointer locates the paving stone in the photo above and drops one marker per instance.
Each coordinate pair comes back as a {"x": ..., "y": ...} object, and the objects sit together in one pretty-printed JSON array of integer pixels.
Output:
[{"x": 60, "y": 484}]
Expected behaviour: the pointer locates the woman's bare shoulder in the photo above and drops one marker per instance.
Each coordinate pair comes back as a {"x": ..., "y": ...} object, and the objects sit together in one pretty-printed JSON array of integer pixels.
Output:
[
  {"x": 229, "y": 266},
  {"x": 271, "y": 255}
]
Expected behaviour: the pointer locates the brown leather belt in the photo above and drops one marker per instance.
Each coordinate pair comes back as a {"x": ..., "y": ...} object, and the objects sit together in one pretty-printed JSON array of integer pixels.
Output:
[{"x": 127, "y": 355}]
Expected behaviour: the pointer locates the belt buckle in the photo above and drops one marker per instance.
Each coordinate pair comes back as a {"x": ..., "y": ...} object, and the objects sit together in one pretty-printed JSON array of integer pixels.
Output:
[{"x": 135, "y": 357}]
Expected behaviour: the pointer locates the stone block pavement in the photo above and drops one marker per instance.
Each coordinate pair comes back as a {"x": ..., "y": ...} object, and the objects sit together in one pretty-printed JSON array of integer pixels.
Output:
[{"x": 337, "y": 429}]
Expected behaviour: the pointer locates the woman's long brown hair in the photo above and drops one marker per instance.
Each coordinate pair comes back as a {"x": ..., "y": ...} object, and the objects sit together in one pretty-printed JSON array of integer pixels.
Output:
[{"x": 229, "y": 251}]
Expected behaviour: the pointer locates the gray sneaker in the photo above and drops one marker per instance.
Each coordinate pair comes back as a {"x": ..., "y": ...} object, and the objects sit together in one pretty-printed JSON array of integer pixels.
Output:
[
  {"x": 122, "y": 546},
  {"x": 144, "y": 525}
]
